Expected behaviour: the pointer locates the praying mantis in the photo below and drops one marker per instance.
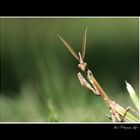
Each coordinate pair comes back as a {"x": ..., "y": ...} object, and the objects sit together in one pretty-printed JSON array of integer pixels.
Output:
[{"x": 118, "y": 113}]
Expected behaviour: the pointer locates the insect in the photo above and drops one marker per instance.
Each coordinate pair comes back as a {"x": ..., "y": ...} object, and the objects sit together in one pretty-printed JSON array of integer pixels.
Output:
[
  {"x": 118, "y": 113},
  {"x": 82, "y": 65}
]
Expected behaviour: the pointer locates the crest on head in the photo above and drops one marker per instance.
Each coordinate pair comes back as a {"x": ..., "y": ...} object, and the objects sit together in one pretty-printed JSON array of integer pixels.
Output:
[{"x": 82, "y": 65}]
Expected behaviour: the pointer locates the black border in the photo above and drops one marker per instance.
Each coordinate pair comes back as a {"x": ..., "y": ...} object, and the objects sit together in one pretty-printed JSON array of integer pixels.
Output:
[
  {"x": 67, "y": 130},
  {"x": 70, "y": 8}
]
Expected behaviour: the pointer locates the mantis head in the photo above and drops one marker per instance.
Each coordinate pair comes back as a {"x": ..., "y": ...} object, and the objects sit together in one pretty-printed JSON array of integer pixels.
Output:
[{"x": 82, "y": 65}]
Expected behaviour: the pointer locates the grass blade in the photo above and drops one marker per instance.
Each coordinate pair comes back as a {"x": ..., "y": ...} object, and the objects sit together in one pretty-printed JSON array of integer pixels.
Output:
[{"x": 133, "y": 95}]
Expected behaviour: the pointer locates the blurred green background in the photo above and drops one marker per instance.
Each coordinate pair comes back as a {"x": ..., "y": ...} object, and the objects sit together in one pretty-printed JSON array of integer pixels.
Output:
[{"x": 39, "y": 76}]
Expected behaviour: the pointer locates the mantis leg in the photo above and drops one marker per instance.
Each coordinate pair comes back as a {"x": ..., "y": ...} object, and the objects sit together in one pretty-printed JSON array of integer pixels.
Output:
[
  {"x": 128, "y": 109},
  {"x": 85, "y": 83}
]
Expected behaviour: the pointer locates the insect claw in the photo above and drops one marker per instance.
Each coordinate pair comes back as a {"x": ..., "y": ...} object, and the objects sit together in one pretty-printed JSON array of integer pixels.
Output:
[{"x": 84, "y": 83}]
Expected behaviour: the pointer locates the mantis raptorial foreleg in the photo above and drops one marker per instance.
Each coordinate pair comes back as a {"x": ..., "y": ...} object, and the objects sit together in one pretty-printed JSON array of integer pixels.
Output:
[{"x": 85, "y": 83}]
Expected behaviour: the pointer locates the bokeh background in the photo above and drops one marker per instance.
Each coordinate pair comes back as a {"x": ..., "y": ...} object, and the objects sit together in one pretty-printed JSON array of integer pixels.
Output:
[{"x": 39, "y": 76}]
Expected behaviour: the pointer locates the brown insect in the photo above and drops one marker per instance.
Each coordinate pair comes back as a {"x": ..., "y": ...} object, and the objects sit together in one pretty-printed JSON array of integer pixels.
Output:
[{"x": 118, "y": 113}]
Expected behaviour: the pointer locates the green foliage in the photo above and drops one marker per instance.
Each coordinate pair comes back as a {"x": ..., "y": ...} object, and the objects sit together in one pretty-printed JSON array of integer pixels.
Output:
[{"x": 133, "y": 95}]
